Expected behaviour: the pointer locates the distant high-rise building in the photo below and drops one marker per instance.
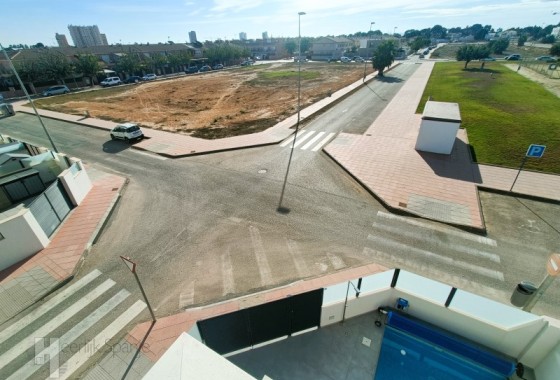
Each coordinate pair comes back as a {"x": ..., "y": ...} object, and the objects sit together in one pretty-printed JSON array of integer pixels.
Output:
[
  {"x": 265, "y": 36},
  {"x": 243, "y": 36},
  {"x": 61, "y": 40},
  {"x": 84, "y": 36},
  {"x": 104, "y": 39},
  {"x": 192, "y": 37}
]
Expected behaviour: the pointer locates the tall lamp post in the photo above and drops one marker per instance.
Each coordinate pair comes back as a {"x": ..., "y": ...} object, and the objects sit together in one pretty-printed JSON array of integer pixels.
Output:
[
  {"x": 28, "y": 98},
  {"x": 280, "y": 208},
  {"x": 365, "y": 60}
]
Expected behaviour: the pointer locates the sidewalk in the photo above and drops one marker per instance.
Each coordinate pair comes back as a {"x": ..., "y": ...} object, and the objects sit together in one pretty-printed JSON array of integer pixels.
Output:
[{"x": 24, "y": 283}]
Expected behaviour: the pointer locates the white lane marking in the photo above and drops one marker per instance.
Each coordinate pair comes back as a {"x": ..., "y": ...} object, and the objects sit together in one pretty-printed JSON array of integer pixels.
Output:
[
  {"x": 260, "y": 254},
  {"x": 85, "y": 353},
  {"x": 336, "y": 261},
  {"x": 299, "y": 263},
  {"x": 303, "y": 138},
  {"x": 417, "y": 223},
  {"x": 323, "y": 142},
  {"x": 186, "y": 298},
  {"x": 152, "y": 155},
  {"x": 310, "y": 142},
  {"x": 291, "y": 138},
  {"x": 49, "y": 305},
  {"x": 444, "y": 259},
  {"x": 423, "y": 237},
  {"x": 227, "y": 274},
  {"x": 53, "y": 350},
  {"x": 54, "y": 323}
]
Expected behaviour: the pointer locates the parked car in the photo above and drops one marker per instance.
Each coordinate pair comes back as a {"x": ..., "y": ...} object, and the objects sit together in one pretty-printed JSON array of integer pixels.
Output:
[
  {"x": 149, "y": 77},
  {"x": 513, "y": 57},
  {"x": 56, "y": 90},
  {"x": 345, "y": 59},
  {"x": 545, "y": 58},
  {"x": 6, "y": 110},
  {"x": 191, "y": 70},
  {"x": 133, "y": 79},
  {"x": 219, "y": 66},
  {"x": 247, "y": 63},
  {"x": 204, "y": 69},
  {"x": 127, "y": 132},
  {"x": 358, "y": 59},
  {"x": 332, "y": 59},
  {"x": 111, "y": 81}
]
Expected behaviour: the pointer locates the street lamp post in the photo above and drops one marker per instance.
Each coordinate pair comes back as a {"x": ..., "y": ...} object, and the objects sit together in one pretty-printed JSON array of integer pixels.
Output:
[
  {"x": 365, "y": 59},
  {"x": 28, "y": 98},
  {"x": 280, "y": 208}
]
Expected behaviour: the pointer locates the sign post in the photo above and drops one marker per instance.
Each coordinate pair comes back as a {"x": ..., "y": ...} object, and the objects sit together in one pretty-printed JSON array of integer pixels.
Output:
[
  {"x": 132, "y": 266},
  {"x": 534, "y": 151}
]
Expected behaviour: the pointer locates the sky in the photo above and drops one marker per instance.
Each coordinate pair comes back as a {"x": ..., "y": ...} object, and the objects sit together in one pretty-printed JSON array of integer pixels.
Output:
[{"x": 125, "y": 21}]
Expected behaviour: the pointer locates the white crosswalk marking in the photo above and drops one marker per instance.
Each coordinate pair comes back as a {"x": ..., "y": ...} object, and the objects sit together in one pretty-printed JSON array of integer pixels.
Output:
[
  {"x": 80, "y": 358},
  {"x": 260, "y": 254},
  {"x": 49, "y": 305},
  {"x": 304, "y": 136},
  {"x": 434, "y": 256},
  {"x": 65, "y": 340},
  {"x": 448, "y": 231},
  {"x": 323, "y": 142},
  {"x": 55, "y": 339},
  {"x": 44, "y": 330},
  {"x": 437, "y": 242},
  {"x": 313, "y": 140}
]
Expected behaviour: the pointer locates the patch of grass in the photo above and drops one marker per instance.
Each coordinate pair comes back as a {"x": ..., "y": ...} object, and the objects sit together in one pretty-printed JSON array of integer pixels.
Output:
[{"x": 502, "y": 111}]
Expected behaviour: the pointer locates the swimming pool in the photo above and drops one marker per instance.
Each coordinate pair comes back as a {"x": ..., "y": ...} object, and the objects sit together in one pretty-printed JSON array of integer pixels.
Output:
[{"x": 405, "y": 355}]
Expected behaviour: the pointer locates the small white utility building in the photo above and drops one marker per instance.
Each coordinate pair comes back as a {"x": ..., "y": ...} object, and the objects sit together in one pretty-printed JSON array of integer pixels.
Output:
[{"x": 440, "y": 123}]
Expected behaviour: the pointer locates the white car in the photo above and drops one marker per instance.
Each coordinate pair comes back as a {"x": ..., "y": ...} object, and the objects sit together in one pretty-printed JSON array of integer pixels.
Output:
[
  {"x": 111, "y": 81},
  {"x": 345, "y": 59},
  {"x": 149, "y": 77},
  {"x": 127, "y": 132}
]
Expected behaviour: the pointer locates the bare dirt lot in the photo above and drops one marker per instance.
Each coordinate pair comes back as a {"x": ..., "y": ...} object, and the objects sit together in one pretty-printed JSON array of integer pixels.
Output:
[{"x": 215, "y": 104}]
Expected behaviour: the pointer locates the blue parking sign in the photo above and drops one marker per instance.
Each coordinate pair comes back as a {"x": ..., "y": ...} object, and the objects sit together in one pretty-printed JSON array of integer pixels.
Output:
[{"x": 535, "y": 151}]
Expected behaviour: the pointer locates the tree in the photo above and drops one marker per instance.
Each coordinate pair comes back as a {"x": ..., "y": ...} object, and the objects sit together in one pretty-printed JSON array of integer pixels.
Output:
[
  {"x": 550, "y": 39},
  {"x": 521, "y": 40},
  {"x": 290, "y": 46},
  {"x": 88, "y": 65},
  {"x": 55, "y": 65},
  {"x": 438, "y": 31},
  {"x": 419, "y": 43},
  {"x": 128, "y": 63},
  {"x": 383, "y": 56},
  {"x": 498, "y": 46},
  {"x": 29, "y": 72},
  {"x": 555, "y": 49},
  {"x": 468, "y": 53}
]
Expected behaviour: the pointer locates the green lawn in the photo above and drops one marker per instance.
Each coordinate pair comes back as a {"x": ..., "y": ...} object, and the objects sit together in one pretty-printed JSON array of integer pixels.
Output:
[{"x": 502, "y": 111}]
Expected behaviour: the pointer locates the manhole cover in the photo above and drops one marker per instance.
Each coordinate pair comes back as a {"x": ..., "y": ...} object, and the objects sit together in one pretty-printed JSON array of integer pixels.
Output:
[{"x": 262, "y": 171}]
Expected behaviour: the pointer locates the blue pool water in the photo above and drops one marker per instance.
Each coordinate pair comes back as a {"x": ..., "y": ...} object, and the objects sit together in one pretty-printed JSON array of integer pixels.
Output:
[{"x": 405, "y": 356}]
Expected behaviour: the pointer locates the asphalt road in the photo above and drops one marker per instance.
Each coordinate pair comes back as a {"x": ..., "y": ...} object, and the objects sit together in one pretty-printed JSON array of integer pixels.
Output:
[{"x": 206, "y": 228}]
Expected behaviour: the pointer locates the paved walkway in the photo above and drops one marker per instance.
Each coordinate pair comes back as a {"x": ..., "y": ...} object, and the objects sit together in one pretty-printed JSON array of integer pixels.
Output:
[{"x": 25, "y": 282}]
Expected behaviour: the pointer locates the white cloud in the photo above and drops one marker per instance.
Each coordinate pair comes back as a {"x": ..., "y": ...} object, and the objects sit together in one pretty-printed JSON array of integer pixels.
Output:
[{"x": 235, "y": 5}]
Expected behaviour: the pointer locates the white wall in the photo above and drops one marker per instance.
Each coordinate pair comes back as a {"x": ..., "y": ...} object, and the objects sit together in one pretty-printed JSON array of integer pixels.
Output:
[
  {"x": 540, "y": 351},
  {"x": 549, "y": 368},
  {"x": 76, "y": 182},
  {"x": 23, "y": 237},
  {"x": 436, "y": 136}
]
